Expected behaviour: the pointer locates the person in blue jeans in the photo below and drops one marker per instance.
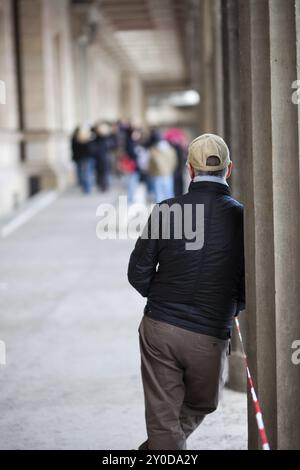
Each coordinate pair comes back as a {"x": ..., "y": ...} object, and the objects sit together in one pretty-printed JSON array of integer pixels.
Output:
[
  {"x": 83, "y": 157},
  {"x": 87, "y": 172},
  {"x": 162, "y": 165},
  {"x": 163, "y": 187},
  {"x": 103, "y": 145},
  {"x": 134, "y": 151}
]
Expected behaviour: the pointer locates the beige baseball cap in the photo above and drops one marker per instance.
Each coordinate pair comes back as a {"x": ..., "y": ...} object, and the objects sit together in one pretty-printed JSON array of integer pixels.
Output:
[{"x": 208, "y": 145}]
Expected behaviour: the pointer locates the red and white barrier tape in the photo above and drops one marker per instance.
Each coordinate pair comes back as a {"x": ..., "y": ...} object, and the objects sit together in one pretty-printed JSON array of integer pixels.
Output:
[{"x": 256, "y": 405}]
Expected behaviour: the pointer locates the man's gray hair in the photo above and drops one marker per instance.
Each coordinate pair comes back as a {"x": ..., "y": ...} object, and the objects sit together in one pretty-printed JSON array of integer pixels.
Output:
[{"x": 212, "y": 161}]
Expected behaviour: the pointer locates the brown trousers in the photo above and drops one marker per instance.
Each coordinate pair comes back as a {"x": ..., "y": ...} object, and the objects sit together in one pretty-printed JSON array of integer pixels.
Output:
[{"x": 182, "y": 376}]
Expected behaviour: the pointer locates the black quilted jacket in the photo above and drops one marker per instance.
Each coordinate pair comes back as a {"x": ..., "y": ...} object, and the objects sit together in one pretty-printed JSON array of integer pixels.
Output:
[{"x": 199, "y": 290}]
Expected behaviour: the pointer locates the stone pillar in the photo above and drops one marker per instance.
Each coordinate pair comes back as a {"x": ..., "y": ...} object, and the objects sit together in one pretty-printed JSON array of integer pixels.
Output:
[
  {"x": 285, "y": 150},
  {"x": 216, "y": 13},
  {"x": 133, "y": 99},
  {"x": 100, "y": 74},
  {"x": 47, "y": 90},
  {"x": 81, "y": 80},
  {"x": 256, "y": 141},
  {"x": 231, "y": 90},
  {"x": 207, "y": 108},
  {"x": 298, "y": 64},
  {"x": 231, "y": 98},
  {"x": 269, "y": 139},
  {"x": 12, "y": 178},
  {"x": 211, "y": 67}
]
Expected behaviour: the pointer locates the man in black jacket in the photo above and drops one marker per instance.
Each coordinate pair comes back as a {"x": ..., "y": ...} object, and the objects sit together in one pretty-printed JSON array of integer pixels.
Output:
[{"x": 193, "y": 293}]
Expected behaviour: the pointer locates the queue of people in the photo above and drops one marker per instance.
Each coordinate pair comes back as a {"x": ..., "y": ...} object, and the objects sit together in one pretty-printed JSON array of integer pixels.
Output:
[{"x": 155, "y": 159}]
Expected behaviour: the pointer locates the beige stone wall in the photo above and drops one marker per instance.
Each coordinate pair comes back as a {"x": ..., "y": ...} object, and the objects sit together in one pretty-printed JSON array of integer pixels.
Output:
[
  {"x": 8, "y": 115},
  {"x": 104, "y": 85},
  {"x": 133, "y": 99},
  {"x": 104, "y": 91},
  {"x": 63, "y": 82},
  {"x": 47, "y": 89},
  {"x": 12, "y": 180}
]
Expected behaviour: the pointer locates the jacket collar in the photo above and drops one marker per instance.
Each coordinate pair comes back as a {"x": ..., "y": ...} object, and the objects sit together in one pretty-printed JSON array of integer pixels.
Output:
[{"x": 209, "y": 186}]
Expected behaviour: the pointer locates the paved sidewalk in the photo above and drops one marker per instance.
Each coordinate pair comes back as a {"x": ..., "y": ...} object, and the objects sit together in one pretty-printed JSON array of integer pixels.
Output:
[{"x": 70, "y": 320}]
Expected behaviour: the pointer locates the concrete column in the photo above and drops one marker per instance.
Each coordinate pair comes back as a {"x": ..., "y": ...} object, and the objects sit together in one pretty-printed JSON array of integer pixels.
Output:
[
  {"x": 133, "y": 99},
  {"x": 298, "y": 64},
  {"x": 99, "y": 72},
  {"x": 12, "y": 178},
  {"x": 207, "y": 107},
  {"x": 216, "y": 12},
  {"x": 211, "y": 67},
  {"x": 81, "y": 80},
  {"x": 47, "y": 89},
  {"x": 231, "y": 99},
  {"x": 269, "y": 139},
  {"x": 285, "y": 149},
  {"x": 231, "y": 92},
  {"x": 256, "y": 143}
]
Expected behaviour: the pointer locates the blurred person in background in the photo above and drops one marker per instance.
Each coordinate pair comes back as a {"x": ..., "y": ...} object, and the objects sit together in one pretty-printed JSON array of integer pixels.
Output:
[
  {"x": 162, "y": 165},
  {"x": 178, "y": 140},
  {"x": 142, "y": 154},
  {"x": 83, "y": 157},
  {"x": 115, "y": 146},
  {"x": 133, "y": 159},
  {"x": 103, "y": 145},
  {"x": 75, "y": 154}
]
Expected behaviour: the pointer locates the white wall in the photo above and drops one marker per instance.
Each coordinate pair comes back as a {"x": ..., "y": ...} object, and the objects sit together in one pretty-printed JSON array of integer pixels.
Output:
[{"x": 13, "y": 188}]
